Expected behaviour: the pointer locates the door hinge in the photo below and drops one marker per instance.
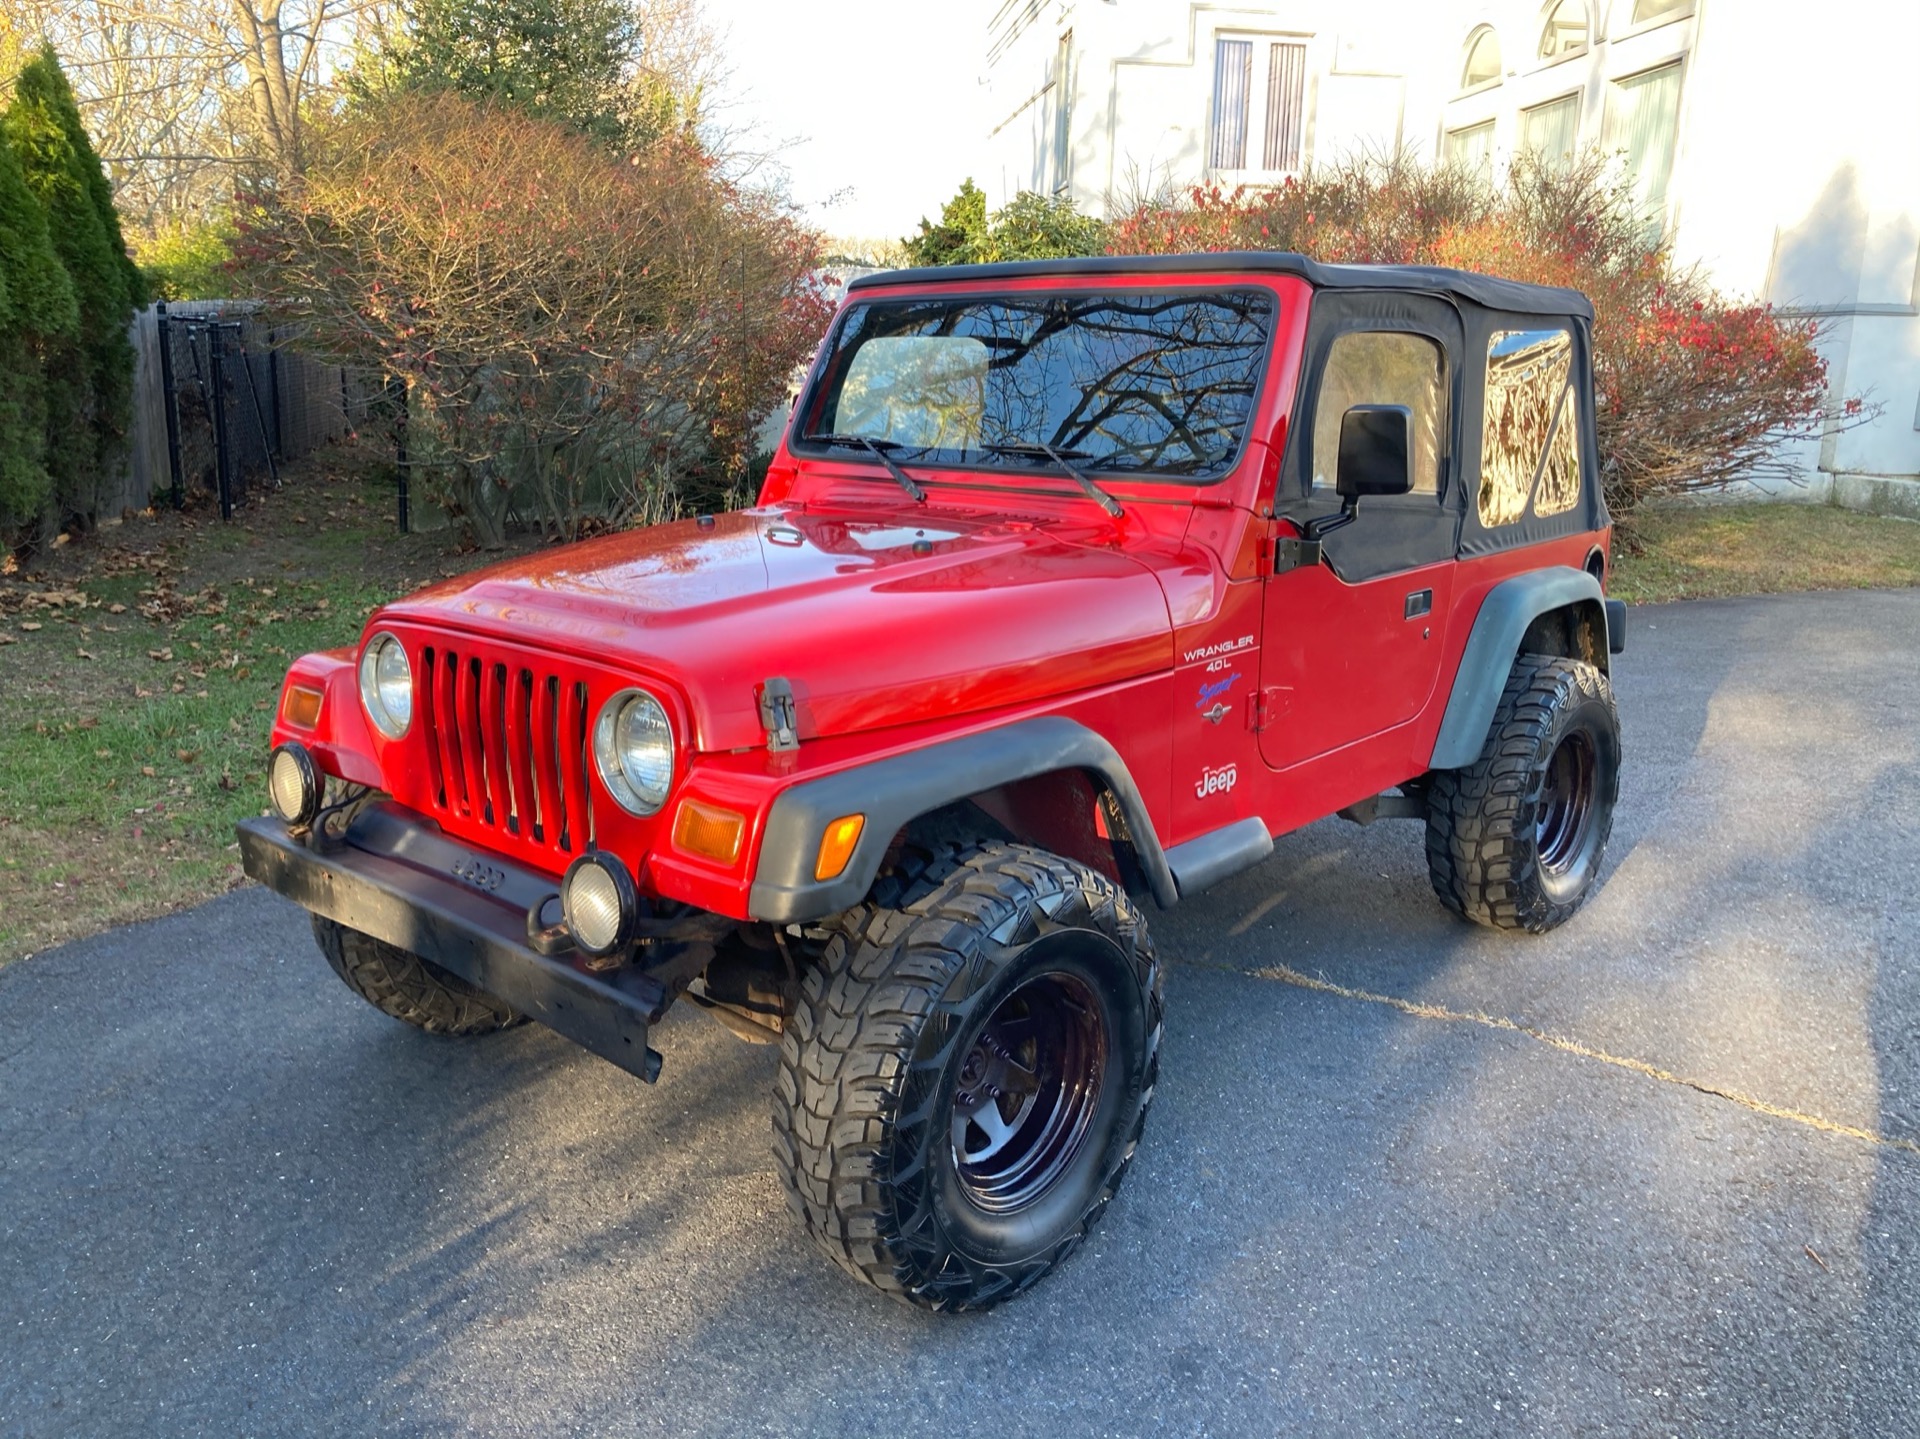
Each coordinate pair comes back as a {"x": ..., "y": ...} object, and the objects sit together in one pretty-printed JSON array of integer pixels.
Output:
[{"x": 1265, "y": 706}]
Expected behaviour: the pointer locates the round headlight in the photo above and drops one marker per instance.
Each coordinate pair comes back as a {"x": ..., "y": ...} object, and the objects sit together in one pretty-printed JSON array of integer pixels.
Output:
[
  {"x": 598, "y": 897},
  {"x": 633, "y": 750},
  {"x": 293, "y": 784},
  {"x": 386, "y": 685}
]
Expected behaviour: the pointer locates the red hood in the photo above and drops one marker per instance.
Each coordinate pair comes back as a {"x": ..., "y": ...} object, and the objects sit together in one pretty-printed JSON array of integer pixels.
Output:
[{"x": 877, "y": 617}]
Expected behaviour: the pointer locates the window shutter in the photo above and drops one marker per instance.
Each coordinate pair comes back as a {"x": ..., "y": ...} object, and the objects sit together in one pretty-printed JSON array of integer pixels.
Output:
[
  {"x": 1286, "y": 105},
  {"x": 1232, "y": 88}
]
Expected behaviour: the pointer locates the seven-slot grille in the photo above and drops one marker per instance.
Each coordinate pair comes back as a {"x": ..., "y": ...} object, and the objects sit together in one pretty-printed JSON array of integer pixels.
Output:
[{"x": 507, "y": 748}]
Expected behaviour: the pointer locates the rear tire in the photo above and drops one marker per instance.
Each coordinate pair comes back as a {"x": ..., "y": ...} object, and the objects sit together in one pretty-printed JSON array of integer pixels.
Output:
[
  {"x": 965, "y": 1078},
  {"x": 416, "y": 991},
  {"x": 1516, "y": 839}
]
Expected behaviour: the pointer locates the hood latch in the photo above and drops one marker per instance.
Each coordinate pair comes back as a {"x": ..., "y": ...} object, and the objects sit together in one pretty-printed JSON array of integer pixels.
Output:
[{"x": 778, "y": 716}]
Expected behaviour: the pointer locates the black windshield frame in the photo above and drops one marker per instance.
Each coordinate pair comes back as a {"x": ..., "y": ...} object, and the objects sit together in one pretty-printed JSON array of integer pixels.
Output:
[{"x": 823, "y": 385}]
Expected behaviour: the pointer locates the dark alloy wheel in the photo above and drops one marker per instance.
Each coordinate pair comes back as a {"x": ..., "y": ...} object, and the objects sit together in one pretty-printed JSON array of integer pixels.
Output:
[
  {"x": 1516, "y": 839},
  {"x": 967, "y": 1074},
  {"x": 1566, "y": 806},
  {"x": 1027, "y": 1092}
]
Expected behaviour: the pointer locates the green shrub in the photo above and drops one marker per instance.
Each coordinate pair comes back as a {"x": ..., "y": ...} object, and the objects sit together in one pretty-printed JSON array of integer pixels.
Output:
[
  {"x": 1030, "y": 227},
  {"x": 190, "y": 261}
]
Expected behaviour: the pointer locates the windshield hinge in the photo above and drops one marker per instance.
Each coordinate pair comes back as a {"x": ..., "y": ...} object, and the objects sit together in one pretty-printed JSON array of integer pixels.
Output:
[
  {"x": 777, "y": 715},
  {"x": 1294, "y": 554}
]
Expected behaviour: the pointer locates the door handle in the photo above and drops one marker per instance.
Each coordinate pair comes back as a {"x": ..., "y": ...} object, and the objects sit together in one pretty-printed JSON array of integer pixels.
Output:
[{"x": 1419, "y": 603}]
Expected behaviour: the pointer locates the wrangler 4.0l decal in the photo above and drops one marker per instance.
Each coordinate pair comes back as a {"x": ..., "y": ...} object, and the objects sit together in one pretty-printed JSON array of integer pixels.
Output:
[{"x": 1217, "y": 651}]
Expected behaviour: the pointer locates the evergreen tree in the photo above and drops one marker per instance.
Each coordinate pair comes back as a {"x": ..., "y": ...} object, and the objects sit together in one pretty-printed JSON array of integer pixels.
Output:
[
  {"x": 89, "y": 380},
  {"x": 574, "y": 61},
  {"x": 36, "y": 312}
]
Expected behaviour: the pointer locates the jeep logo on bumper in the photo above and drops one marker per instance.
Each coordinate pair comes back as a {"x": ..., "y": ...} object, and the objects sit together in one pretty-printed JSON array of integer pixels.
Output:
[{"x": 480, "y": 875}]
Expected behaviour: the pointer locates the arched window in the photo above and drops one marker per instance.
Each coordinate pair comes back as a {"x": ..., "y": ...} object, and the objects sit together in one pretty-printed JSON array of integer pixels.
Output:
[
  {"x": 1652, "y": 12},
  {"x": 1565, "y": 32},
  {"x": 1483, "y": 59}
]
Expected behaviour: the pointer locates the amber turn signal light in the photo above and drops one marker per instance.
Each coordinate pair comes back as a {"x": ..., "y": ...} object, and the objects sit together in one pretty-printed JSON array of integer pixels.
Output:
[
  {"x": 708, "y": 831},
  {"x": 836, "y": 845},
  {"x": 301, "y": 707}
]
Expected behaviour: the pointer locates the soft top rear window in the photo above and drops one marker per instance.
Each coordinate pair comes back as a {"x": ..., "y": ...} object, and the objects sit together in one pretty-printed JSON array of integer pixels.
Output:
[{"x": 1125, "y": 382}]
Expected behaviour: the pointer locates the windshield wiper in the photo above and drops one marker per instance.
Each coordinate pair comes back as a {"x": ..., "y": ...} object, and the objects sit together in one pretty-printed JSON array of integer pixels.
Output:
[
  {"x": 879, "y": 448},
  {"x": 1065, "y": 461}
]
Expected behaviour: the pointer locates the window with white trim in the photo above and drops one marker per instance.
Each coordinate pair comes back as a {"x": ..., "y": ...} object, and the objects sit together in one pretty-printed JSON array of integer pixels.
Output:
[
  {"x": 1259, "y": 104},
  {"x": 1565, "y": 32},
  {"x": 1643, "y": 116},
  {"x": 1551, "y": 132},
  {"x": 1470, "y": 149}
]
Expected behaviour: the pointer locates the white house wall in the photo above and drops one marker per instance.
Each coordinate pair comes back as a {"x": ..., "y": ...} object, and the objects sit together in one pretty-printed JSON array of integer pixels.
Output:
[{"x": 1796, "y": 170}]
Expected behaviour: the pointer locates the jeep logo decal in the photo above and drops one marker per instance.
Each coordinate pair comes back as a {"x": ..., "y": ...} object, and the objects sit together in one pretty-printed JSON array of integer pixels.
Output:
[{"x": 1217, "y": 781}]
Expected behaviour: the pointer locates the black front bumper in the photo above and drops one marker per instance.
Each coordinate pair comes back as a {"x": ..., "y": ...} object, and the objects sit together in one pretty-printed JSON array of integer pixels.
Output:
[{"x": 400, "y": 881}]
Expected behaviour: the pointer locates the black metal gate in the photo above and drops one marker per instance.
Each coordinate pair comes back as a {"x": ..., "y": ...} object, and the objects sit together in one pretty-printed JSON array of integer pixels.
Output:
[{"x": 219, "y": 379}]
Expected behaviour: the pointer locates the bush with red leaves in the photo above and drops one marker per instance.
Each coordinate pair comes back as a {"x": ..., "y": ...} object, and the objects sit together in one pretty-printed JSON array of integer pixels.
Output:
[{"x": 1693, "y": 389}]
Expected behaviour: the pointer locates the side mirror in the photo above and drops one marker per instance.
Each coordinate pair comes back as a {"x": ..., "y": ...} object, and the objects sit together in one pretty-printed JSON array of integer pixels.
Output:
[{"x": 1376, "y": 452}]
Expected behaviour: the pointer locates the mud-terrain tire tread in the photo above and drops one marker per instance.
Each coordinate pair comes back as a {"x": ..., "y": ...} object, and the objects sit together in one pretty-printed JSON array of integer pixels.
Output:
[
  {"x": 1481, "y": 855},
  {"x": 844, "y": 1059},
  {"x": 413, "y": 990}
]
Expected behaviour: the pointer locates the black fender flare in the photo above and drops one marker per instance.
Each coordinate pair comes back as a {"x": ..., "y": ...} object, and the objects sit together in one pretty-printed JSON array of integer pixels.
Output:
[
  {"x": 894, "y": 791},
  {"x": 1508, "y": 609}
]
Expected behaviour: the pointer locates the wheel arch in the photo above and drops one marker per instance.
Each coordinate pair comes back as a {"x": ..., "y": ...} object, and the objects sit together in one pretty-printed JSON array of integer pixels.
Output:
[
  {"x": 1006, "y": 770},
  {"x": 1555, "y": 611}
]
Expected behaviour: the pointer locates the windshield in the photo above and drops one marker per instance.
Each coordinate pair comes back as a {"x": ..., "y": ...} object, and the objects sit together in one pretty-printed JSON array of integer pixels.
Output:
[{"x": 1125, "y": 382}]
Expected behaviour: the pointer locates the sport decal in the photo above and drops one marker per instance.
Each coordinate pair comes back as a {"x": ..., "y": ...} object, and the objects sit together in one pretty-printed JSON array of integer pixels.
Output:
[{"x": 1213, "y": 689}]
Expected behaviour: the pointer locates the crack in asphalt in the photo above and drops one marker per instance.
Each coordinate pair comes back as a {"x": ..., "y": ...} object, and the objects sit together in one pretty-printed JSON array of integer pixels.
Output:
[{"x": 1421, "y": 1010}]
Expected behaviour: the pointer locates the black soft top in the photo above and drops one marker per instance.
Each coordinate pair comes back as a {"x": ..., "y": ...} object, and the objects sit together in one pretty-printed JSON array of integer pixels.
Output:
[{"x": 1487, "y": 290}]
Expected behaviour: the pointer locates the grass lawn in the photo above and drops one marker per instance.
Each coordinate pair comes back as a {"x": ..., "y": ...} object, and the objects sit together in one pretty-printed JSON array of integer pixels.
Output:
[
  {"x": 1701, "y": 552},
  {"x": 139, "y": 669}
]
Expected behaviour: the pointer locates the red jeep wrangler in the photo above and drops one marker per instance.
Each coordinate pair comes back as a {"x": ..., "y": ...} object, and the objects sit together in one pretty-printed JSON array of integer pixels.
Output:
[{"x": 1073, "y": 584}]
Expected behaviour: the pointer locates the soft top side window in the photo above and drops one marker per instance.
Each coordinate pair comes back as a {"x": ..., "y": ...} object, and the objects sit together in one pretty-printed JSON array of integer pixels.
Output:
[
  {"x": 1382, "y": 367},
  {"x": 1530, "y": 451}
]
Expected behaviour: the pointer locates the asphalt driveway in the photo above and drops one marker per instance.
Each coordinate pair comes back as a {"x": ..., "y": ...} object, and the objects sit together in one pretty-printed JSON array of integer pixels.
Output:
[{"x": 1679, "y": 1195}]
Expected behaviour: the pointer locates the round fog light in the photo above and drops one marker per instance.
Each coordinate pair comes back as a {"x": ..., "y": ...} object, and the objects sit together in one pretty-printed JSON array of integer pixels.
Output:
[
  {"x": 293, "y": 784},
  {"x": 598, "y": 897}
]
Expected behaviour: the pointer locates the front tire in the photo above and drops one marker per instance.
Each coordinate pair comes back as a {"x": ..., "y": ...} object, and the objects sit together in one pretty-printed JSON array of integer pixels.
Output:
[
  {"x": 416, "y": 991},
  {"x": 1516, "y": 839},
  {"x": 965, "y": 1078}
]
